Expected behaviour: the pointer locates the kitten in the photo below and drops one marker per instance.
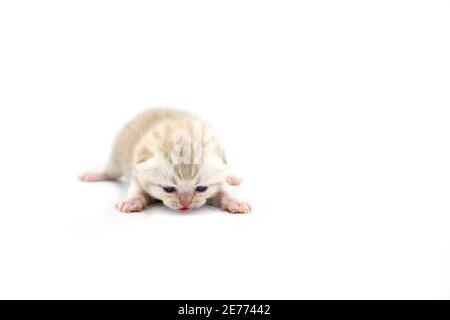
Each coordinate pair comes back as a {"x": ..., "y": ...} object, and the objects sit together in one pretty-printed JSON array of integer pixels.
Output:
[{"x": 170, "y": 156}]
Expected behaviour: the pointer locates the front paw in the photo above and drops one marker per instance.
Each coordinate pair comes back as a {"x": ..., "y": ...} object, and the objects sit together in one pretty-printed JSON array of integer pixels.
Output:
[
  {"x": 238, "y": 207},
  {"x": 131, "y": 205}
]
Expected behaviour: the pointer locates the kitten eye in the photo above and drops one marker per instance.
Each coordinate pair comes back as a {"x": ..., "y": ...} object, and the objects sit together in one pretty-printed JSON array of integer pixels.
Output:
[
  {"x": 201, "y": 188},
  {"x": 169, "y": 189}
]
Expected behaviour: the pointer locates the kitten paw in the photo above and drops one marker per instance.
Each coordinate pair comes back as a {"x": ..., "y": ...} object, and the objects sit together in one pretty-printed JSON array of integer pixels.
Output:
[
  {"x": 93, "y": 176},
  {"x": 239, "y": 207},
  {"x": 132, "y": 205},
  {"x": 233, "y": 180}
]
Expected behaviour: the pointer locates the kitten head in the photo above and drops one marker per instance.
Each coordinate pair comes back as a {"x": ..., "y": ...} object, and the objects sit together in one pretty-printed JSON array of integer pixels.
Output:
[
  {"x": 181, "y": 164},
  {"x": 181, "y": 186}
]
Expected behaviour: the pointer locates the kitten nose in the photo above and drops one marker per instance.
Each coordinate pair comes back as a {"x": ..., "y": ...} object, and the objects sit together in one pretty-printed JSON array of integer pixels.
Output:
[{"x": 185, "y": 200}]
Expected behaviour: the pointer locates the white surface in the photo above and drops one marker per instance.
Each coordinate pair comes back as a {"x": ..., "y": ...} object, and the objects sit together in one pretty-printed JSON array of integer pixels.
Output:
[{"x": 336, "y": 114}]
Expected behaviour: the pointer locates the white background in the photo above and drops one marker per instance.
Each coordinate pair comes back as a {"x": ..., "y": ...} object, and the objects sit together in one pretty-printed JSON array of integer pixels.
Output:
[{"x": 335, "y": 113}]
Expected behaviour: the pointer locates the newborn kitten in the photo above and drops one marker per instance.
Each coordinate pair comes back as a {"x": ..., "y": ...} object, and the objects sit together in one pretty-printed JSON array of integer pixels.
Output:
[{"x": 171, "y": 156}]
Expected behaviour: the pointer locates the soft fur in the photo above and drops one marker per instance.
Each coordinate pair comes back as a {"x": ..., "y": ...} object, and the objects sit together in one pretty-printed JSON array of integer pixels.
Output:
[{"x": 167, "y": 148}]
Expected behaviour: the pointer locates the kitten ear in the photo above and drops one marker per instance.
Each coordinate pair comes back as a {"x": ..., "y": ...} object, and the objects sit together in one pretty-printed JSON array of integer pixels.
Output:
[{"x": 142, "y": 154}]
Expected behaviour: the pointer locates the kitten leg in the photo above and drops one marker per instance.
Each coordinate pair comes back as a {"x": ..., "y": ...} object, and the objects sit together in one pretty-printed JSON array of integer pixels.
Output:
[
  {"x": 136, "y": 200},
  {"x": 226, "y": 200},
  {"x": 94, "y": 176},
  {"x": 111, "y": 172}
]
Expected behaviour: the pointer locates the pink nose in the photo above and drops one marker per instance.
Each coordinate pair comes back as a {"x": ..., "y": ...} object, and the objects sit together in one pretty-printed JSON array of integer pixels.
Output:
[{"x": 185, "y": 201}]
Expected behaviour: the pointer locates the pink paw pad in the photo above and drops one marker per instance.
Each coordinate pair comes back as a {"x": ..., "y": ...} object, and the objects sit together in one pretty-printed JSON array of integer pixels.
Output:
[{"x": 95, "y": 176}]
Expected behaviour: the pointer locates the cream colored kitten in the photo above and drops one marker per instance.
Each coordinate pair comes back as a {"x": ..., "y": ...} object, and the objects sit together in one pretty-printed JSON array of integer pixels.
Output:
[{"x": 172, "y": 156}]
